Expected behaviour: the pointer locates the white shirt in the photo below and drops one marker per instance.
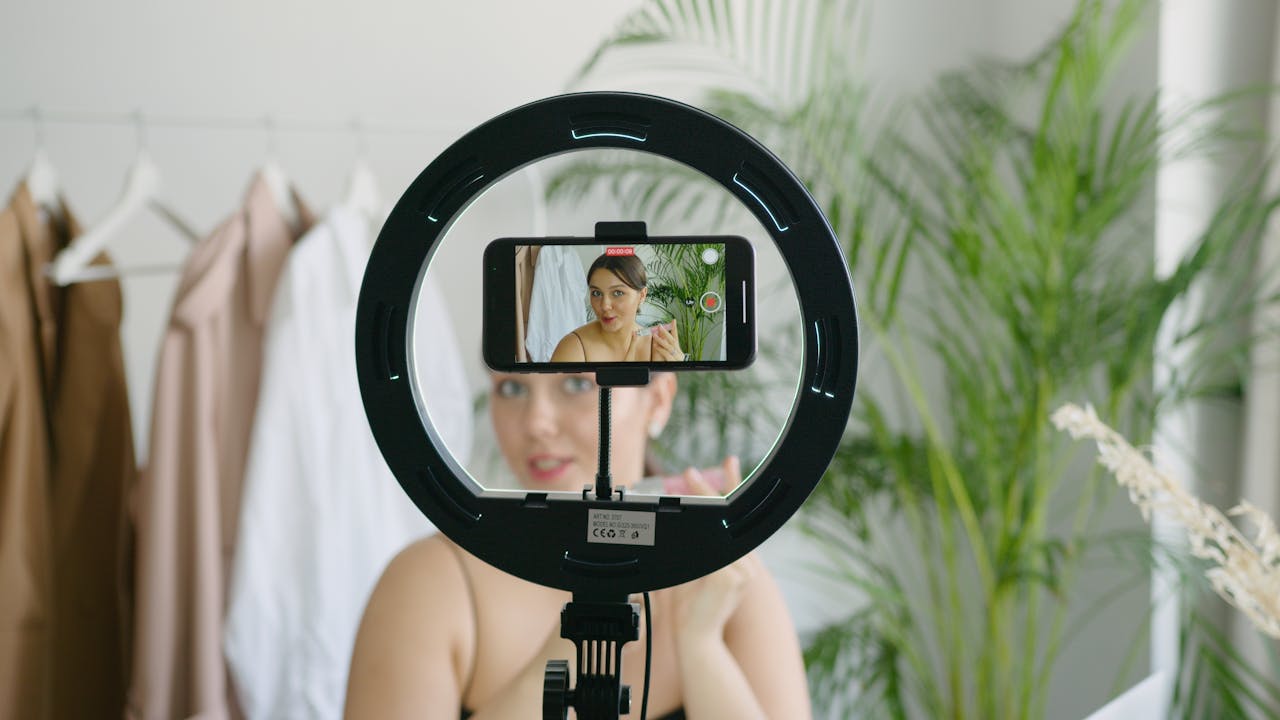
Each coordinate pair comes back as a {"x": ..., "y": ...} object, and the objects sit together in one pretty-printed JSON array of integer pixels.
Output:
[
  {"x": 321, "y": 515},
  {"x": 558, "y": 302}
]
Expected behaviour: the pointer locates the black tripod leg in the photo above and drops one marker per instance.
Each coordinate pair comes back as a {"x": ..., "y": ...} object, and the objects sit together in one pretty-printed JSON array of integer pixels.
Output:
[{"x": 555, "y": 691}]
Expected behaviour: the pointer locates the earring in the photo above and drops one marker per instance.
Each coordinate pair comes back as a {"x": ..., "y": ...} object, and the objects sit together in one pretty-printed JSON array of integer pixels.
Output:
[{"x": 655, "y": 429}]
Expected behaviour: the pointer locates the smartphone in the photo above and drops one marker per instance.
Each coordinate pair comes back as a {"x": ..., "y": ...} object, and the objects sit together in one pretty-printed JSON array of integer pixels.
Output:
[{"x": 579, "y": 304}]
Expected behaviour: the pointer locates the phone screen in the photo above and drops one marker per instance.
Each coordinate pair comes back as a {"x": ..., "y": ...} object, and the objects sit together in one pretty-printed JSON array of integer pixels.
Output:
[{"x": 566, "y": 303}]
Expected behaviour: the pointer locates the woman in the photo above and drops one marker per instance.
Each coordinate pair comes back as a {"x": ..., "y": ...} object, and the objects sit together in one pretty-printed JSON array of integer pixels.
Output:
[
  {"x": 617, "y": 286},
  {"x": 445, "y": 634}
]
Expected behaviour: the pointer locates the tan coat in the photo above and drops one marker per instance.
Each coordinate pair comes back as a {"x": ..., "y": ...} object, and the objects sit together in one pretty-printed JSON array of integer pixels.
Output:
[
  {"x": 66, "y": 470},
  {"x": 189, "y": 495},
  {"x": 94, "y": 475},
  {"x": 25, "y": 554}
]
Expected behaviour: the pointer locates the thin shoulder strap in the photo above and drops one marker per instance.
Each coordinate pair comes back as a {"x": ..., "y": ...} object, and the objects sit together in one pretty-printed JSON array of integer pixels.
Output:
[
  {"x": 584, "y": 346},
  {"x": 475, "y": 619}
]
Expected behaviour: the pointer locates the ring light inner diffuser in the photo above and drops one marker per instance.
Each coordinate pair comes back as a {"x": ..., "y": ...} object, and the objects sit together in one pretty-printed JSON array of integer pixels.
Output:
[{"x": 502, "y": 211}]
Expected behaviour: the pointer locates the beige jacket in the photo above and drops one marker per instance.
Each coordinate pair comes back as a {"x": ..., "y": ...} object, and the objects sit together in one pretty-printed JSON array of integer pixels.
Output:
[
  {"x": 189, "y": 494},
  {"x": 66, "y": 470},
  {"x": 26, "y": 556}
]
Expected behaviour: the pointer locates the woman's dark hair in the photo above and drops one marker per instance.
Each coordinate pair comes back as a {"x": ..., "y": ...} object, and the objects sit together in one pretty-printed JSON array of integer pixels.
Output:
[{"x": 628, "y": 268}]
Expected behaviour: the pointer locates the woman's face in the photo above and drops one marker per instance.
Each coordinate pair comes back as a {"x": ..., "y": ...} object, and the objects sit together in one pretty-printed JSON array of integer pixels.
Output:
[
  {"x": 548, "y": 427},
  {"x": 614, "y": 302}
]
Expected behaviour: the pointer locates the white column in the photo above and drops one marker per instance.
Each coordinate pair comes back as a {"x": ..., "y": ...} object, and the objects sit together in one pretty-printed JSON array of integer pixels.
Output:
[
  {"x": 1207, "y": 48},
  {"x": 1260, "y": 453}
]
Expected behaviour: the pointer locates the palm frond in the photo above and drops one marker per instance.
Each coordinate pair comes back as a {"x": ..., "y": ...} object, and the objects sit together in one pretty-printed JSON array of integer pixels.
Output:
[{"x": 1001, "y": 225}]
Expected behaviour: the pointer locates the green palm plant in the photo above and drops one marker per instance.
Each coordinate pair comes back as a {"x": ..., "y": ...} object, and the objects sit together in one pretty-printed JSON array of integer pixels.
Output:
[
  {"x": 998, "y": 233},
  {"x": 678, "y": 277}
]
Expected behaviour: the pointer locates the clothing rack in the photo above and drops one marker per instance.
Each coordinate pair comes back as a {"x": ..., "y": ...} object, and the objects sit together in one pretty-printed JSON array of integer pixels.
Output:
[
  {"x": 141, "y": 122},
  {"x": 39, "y": 118}
]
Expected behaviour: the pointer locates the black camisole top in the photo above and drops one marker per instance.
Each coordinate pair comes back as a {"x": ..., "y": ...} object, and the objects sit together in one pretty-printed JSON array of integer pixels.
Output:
[{"x": 677, "y": 714}]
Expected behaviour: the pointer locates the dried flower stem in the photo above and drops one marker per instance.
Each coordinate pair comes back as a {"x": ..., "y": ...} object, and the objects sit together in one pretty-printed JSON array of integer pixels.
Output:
[{"x": 1247, "y": 573}]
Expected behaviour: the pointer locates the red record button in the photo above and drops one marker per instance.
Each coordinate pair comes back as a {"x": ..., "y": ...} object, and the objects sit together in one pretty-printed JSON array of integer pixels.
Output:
[{"x": 711, "y": 302}]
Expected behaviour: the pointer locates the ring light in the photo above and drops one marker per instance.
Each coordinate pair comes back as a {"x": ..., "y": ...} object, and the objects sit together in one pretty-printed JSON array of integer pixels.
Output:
[{"x": 544, "y": 537}]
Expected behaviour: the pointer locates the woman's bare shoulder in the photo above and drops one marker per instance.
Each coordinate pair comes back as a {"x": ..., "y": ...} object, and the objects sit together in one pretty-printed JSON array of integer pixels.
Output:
[
  {"x": 571, "y": 348},
  {"x": 414, "y": 641},
  {"x": 426, "y": 575},
  {"x": 421, "y": 558}
]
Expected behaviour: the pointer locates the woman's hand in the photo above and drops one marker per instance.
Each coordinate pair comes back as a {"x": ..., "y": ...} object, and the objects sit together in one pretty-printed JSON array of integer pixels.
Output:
[
  {"x": 735, "y": 646},
  {"x": 736, "y": 649},
  {"x": 700, "y": 608},
  {"x": 707, "y": 482},
  {"x": 666, "y": 343}
]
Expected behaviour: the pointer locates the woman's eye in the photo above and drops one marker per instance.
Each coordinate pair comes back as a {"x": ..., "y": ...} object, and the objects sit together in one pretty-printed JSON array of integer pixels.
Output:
[
  {"x": 509, "y": 388},
  {"x": 595, "y": 293},
  {"x": 618, "y": 293},
  {"x": 576, "y": 384}
]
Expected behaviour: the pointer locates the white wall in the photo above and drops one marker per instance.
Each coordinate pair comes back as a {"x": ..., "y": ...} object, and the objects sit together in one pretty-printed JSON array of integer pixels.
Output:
[
  {"x": 417, "y": 74},
  {"x": 206, "y": 73}
]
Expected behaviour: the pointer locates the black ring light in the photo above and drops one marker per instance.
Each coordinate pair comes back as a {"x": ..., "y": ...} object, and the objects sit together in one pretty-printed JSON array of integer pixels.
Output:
[{"x": 543, "y": 537}]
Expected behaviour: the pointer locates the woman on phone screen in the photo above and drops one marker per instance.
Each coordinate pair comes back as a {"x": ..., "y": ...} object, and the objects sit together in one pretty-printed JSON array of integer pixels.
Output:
[{"x": 618, "y": 285}]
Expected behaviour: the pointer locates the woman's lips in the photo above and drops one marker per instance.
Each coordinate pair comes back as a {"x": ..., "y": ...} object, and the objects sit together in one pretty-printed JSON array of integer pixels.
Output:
[
  {"x": 608, "y": 319},
  {"x": 546, "y": 469}
]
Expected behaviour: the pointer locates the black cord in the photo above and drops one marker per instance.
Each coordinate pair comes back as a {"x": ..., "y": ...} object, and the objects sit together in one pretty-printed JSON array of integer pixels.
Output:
[{"x": 648, "y": 656}]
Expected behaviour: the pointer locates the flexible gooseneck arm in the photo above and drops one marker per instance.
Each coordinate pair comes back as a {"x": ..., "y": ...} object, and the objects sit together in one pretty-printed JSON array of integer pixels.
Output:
[{"x": 604, "y": 479}]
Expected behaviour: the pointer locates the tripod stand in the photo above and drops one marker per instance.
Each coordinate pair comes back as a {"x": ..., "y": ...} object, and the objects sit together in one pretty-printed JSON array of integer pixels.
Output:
[
  {"x": 598, "y": 629},
  {"x": 597, "y": 626}
]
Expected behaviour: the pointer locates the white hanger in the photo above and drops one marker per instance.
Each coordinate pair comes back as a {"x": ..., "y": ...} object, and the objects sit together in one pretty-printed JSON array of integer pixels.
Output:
[
  {"x": 363, "y": 195},
  {"x": 362, "y": 185},
  {"x": 42, "y": 179},
  {"x": 362, "y": 191},
  {"x": 277, "y": 183},
  {"x": 141, "y": 190}
]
